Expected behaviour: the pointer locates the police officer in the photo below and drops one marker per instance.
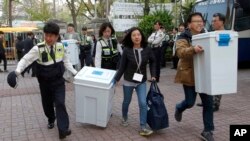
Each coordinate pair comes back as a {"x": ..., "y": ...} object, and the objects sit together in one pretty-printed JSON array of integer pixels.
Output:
[
  {"x": 107, "y": 48},
  {"x": 51, "y": 62},
  {"x": 155, "y": 40},
  {"x": 86, "y": 45}
]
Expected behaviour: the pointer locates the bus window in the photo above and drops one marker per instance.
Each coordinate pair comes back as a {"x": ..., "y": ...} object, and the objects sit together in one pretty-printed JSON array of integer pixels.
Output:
[
  {"x": 242, "y": 16},
  {"x": 210, "y": 7}
]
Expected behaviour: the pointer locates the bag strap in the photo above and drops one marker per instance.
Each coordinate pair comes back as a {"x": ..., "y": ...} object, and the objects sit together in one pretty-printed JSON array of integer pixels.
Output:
[{"x": 154, "y": 87}]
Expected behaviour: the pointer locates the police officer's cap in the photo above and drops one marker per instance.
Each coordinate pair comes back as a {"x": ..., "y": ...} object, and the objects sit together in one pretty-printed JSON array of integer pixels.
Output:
[{"x": 12, "y": 79}]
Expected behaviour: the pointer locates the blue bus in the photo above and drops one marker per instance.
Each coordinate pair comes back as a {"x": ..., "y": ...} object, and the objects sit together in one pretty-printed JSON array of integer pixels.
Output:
[{"x": 237, "y": 14}]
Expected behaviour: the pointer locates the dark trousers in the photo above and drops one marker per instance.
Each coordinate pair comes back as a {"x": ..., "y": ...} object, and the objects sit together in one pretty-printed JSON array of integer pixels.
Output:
[
  {"x": 85, "y": 57},
  {"x": 163, "y": 58},
  {"x": 31, "y": 67},
  {"x": 109, "y": 64},
  {"x": 157, "y": 53},
  {"x": 175, "y": 60},
  {"x": 3, "y": 57},
  {"x": 55, "y": 95},
  {"x": 189, "y": 101},
  {"x": 217, "y": 99},
  {"x": 19, "y": 55}
]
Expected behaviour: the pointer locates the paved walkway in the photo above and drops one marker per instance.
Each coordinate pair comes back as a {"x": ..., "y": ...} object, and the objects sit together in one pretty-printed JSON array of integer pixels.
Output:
[{"x": 22, "y": 117}]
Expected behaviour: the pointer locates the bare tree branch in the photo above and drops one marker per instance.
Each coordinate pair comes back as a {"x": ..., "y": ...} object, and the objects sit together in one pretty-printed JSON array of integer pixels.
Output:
[
  {"x": 88, "y": 9},
  {"x": 86, "y": 16}
]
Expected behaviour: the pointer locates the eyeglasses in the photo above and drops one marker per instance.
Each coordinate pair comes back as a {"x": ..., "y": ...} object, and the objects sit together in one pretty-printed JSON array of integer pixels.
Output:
[{"x": 197, "y": 21}]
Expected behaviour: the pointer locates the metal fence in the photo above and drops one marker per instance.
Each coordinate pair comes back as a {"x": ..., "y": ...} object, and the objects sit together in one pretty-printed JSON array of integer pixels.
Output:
[{"x": 11, "y": 55}]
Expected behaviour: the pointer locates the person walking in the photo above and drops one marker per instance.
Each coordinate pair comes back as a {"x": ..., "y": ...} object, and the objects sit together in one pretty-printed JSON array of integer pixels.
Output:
[
  {"x": 155, "y": 39},
  {"x": 51, "y": 63},
  {"x": 28, "y": 44},
  {"x": 107, "y": 48},
  {"x": 218, "y": 23},
  {"x": 185, "y": 75},
  {"x": 133, "y": 64},
  {"x": 19, "y": 48},
  {"x": 86, "y": 44},
  {"x": 71, "y": 33},
  {"x": 2, "y": 52}
]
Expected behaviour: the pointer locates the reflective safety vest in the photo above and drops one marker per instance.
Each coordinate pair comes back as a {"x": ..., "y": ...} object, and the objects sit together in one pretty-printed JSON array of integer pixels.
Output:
[
  {"x": 44, "y": 53},
  {"x": 109, "y": 52},
  {"x": 50, "y": 70}
]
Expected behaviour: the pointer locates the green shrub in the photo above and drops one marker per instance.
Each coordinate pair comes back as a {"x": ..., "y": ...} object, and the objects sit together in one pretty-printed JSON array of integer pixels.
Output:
[{"x": 147, "y": 22}]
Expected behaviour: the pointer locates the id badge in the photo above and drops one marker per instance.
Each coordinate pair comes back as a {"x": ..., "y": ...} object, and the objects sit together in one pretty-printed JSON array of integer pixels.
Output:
[
  {"x": 107, "y": 52},
  {"x": 137, "y": 77}
]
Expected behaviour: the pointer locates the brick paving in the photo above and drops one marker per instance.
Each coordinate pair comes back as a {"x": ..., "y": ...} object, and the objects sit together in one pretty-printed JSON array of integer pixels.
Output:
[{"x": 22, "y": 117}]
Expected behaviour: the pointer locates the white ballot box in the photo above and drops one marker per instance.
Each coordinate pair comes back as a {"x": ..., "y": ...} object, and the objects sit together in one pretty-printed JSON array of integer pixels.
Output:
[
  {"x": 72, "y": 51},
  {"x": 215, "y": 69},
  {"x": 94, "y": 92}
]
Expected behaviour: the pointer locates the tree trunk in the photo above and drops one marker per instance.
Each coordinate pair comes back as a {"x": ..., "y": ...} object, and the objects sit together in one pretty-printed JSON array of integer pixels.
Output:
[
  {"x": 146, "y": 8},
  {"x": 10, "y": 13}
]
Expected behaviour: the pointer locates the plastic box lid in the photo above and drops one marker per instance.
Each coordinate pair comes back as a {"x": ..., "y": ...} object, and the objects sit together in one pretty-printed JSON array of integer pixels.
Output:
[
  {"x": 95, "y": 77},
  {"x": 70, "y": 41},
  {"x": 219, "y": 35}
]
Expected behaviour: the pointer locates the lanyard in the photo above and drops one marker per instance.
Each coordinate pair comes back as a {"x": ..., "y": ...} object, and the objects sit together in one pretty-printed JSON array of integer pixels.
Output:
[{"x": 137, "y": 61}]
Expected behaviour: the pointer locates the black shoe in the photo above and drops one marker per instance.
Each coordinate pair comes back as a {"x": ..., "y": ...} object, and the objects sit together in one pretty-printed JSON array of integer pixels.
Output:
[
  {"x": 51, "y": 125},
  {"x": 178, "y": 115},
  {"x": 199, "y": 104},
  {"x": 207, "y": 136},
  {"x": 63, "y": 135}
]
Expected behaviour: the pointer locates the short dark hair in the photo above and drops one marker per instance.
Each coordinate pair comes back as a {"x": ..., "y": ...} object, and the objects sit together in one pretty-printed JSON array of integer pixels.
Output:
[
  {"x": 221, "y": 17},
  {"x": 71, "y": 25},
  {"x": 84, "y": 28},
  {"x": 160, "y": 24},
  {"x": 127, "y": 41},
  {"x": 30, "y": 33},
  {"x": 182, "y": 24},
  {"x": 176, "y": 29},
  {"x": 104, "y": 26},
  {"x": 189, "y": 19},
  {"x": 52, "y": 28},
  {"x": 1, "y": 32},
  {"x": 19, "y": 38}
]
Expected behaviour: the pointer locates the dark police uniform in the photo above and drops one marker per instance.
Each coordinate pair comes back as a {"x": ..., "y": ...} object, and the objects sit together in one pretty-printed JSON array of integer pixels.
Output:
[
  {"x": 109, "y": 54},
  {"x": 51, "y": 63},
  {"x": 85, "y": 50}
]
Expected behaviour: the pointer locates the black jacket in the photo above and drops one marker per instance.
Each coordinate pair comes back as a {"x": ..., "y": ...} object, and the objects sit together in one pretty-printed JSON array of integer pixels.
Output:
[
  {"x": 2, "y": 51},
  {"x": 27, "y": 45},
  {"x": 128, "y": 64},
  {"x": 19, "y": 46}
]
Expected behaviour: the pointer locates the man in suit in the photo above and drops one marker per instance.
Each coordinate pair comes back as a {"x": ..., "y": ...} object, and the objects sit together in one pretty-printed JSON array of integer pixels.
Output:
[{"x": 28, "y": 43}]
